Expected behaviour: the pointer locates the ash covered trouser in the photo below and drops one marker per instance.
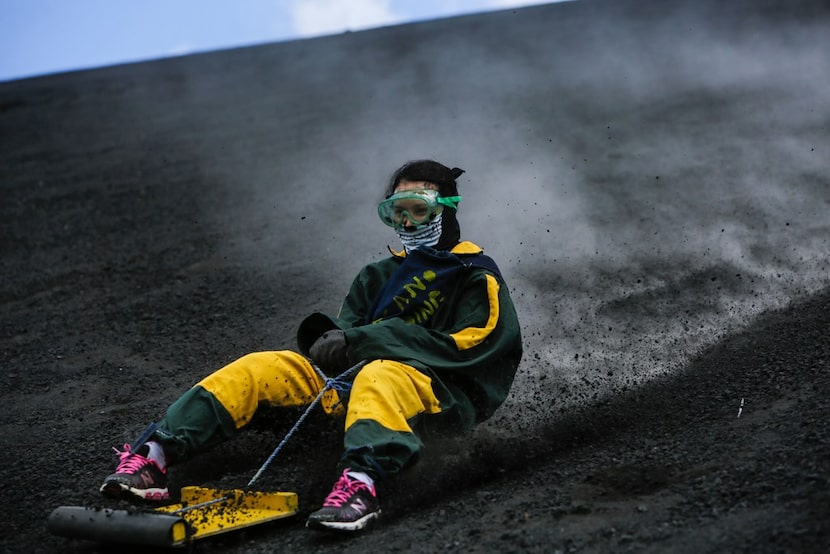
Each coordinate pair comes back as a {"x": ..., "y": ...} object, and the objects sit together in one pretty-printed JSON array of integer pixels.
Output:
[{"x": 385, "y": 398}]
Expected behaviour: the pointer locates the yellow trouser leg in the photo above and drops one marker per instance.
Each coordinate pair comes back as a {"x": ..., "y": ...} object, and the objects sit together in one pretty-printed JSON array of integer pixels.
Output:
[
  {"x": 280, "y": 378},
  {"x": 390, "y": 393}
]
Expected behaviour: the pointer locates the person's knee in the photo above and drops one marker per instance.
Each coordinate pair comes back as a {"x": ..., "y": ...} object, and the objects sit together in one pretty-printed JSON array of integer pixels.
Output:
[
  {"x": 379, "y": 371},
  {"x": 254, "y": 360},
  {"x": 255, "y": 367}
]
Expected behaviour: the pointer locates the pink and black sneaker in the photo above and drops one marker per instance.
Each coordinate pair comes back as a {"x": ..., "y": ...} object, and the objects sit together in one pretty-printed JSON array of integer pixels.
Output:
[
  {"x": 137, "y": 476},
  {"x": 350, "y": 506}
]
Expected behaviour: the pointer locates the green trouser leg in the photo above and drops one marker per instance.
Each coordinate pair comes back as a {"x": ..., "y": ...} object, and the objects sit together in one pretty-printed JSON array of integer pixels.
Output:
[
  {"x": 375, "y": 450},
  {"x": 226, "y": 400},
  {"x": 388, "y": 400},
  {"x": 380, "y": 452},
  {"x": 195, "y": 422}
]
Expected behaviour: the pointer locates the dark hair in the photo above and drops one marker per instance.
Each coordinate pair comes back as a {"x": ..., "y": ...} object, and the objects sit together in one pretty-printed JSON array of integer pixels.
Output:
[{"x": 429, "y": 171}]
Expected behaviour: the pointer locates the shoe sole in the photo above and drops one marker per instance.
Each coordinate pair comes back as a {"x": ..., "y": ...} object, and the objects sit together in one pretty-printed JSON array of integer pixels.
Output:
[
  {"x": 114, "y": 489},
  {"x": 343, "y": 526}
]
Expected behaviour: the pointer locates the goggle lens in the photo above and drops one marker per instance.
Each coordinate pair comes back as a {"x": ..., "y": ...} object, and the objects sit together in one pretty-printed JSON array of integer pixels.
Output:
[{"x": 414, "y": 208}]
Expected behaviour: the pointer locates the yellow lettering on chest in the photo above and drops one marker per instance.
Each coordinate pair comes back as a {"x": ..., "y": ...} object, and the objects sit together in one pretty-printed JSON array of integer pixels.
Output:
[{"x": 412, "y": 289}]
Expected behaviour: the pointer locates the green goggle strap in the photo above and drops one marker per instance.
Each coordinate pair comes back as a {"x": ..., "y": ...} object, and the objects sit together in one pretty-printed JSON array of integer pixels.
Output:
[{"x": 449, "y": 201}]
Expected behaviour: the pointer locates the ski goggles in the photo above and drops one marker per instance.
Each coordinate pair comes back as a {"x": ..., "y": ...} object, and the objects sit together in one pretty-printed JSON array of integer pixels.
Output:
[{"x": 414, "y": 208}]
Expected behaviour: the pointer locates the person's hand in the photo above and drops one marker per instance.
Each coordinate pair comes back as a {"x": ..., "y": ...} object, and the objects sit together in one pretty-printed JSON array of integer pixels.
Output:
[{"x": 331, "y": 351}]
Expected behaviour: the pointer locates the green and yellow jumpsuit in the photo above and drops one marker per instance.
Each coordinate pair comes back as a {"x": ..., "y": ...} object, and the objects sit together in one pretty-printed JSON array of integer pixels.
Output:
[{"x": 442, "y": 343}]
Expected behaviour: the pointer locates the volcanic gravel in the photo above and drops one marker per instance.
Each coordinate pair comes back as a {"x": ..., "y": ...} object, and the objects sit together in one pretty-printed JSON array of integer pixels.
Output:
[{"x": 652, "y": 178}]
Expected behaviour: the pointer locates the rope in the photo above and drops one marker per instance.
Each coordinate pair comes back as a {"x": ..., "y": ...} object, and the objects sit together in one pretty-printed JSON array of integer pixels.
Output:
[{"x": 339, "y": 384}]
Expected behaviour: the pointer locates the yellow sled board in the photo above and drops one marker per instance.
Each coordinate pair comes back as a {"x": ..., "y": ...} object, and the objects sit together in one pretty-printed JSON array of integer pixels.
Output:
[
  {"x": 175, "y": 525},
  {"x": 235, "y": 509}
]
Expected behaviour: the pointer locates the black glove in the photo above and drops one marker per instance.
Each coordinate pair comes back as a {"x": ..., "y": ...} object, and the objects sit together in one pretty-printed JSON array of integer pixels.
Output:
[{"x": 331, "y": 352}]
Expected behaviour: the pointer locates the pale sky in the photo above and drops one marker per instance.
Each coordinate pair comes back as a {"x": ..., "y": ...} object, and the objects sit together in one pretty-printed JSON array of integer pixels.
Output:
[{"x": 47, "y": 36}]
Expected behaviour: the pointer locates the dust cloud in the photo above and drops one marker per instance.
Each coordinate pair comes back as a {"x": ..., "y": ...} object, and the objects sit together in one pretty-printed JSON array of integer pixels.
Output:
[
  {"x": 648, "y": 176},
  {"x": 648, "y": 183}
]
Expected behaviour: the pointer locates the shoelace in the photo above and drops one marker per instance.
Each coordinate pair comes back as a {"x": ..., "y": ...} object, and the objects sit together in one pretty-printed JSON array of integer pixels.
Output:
[
  {"x": 129, "y": 463},
  {"x": 343, "y": 491}
]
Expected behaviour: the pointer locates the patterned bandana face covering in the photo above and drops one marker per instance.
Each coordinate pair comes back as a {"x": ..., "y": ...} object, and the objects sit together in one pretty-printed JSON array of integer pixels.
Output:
[{"x": 427, "y": 235}]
